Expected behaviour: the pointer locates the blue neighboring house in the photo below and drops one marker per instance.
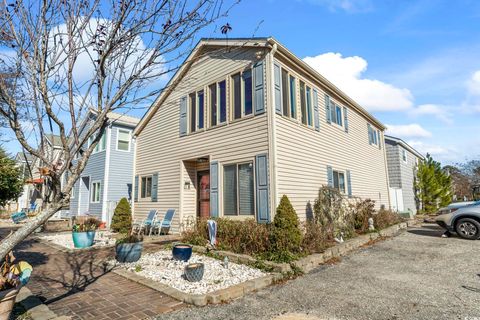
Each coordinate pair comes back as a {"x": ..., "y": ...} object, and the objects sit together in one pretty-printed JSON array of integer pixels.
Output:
[{"x": 109, "y": 172}]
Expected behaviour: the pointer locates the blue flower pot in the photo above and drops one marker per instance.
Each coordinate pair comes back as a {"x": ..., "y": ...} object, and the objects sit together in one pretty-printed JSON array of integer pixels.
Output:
[
  {"x": 194, "y": 272},
  {"x": 128, "y": 252},
  {"x": 83, "y": 239},
  {"x": 182, "y": 252}
]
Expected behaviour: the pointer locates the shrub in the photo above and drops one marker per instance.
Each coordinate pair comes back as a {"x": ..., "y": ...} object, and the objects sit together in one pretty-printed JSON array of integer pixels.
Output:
[
  {"x": 129, "y": 238},
  {"x": 90, "y": 224},
  {"x": 246, "y": 237},
  {"x": 331, "y": 212},
  {"x": 362, "y": 211},
  {"x": 198, "y": 234},
  {"x": 314, "y": 239},
  {"x": 285, "y": 236},
  {"x": 122, "y": 217},
  {"x": 386, "y": 218}
]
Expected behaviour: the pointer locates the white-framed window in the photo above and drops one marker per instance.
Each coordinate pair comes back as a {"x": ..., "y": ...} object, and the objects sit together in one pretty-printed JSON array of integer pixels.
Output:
[
  {"x": 404, "y": 155},
  {"x": 238, "y": 189},
  {"x": 339, "y": 180},
  {"x": 289, "y": 94},
  {"x": 336, "y": 113},
  {"x": 242, "y": 94},
  {"x": 101, "y": 145},
  {"x": 123, "y": 139},
  {"x": 95, "y": 196},
  {"x": 217, "y": 99},
  {"x": 306, "y": 104},
  {"x": 372, "y": 135},
  {"x": 146, "y": 187},
  {"x": 196, "y": 101}
]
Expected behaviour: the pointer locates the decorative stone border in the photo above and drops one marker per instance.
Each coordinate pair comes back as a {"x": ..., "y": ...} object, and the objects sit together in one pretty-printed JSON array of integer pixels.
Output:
[
  {"x": 35, "y": 308},
  {"x": 214, "y": 297}
]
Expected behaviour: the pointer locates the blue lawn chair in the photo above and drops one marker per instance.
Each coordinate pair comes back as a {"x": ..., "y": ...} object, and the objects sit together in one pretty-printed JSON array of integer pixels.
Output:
[
  {"x": 17, "y": 217},
  {"x": 139, "y": 226},
  {"x": 164, "y": 224}
]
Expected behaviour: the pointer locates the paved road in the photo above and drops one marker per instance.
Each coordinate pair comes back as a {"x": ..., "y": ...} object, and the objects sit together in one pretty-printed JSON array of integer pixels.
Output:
[{"x": 417, "y": 275}]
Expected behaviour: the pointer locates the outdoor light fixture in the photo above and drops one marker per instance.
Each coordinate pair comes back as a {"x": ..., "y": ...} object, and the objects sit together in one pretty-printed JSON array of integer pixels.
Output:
[{"x": 186, "y": 186}]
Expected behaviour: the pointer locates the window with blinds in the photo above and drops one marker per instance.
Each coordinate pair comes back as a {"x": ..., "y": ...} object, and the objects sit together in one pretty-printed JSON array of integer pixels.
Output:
[{"x": 238, "y": 189}]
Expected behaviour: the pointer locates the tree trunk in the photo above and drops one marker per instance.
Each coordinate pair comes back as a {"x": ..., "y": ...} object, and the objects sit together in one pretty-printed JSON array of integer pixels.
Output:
[{"x": 18, "y": 236}]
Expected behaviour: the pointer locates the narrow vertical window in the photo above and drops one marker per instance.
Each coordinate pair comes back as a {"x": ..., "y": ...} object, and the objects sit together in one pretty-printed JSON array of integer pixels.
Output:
[
  {"x": 213, "y": 104},
  {"x": 285, "y": 107},
  {"x": 309, "y": 106},
  {"x": 193, "y": 112},
  {"x": 230, "y": 189},
  {"x": 339, "y": 115},
  {"x": 333, "y": 113},
  {"x": 247, "y": 92},
  {"x": 293, "y": 98},
  {"x": 303, "y": 107},
  {"x": 201, "y": 110},
  {"x": 245, "y": 189},
  {"x": 222, "y": 88},
  {"x": 237, "y": 98}
]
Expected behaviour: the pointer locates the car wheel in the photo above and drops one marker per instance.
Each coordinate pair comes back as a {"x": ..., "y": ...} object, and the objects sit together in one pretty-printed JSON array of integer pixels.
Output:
[{"x": 468, "y": 228}]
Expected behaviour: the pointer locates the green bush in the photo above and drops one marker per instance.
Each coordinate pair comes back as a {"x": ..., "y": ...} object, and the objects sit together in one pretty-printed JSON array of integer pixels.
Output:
[
  {"x": 285, "y": 236},
  {"x": 122, "y": 217},
  {"x": 314, "y": 238}
]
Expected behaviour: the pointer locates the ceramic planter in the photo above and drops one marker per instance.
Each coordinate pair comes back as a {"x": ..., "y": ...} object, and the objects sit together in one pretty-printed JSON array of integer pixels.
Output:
[
  {"x": 7, "y": 300},
  {"x": 83, "y": 239},
  {"x": 128, "y": 252},
  {"x": 194, "y": 272},
  {"x": 182, "y": 252}
]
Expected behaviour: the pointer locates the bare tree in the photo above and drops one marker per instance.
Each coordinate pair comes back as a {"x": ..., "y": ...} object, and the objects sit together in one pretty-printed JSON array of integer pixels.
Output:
[{"x": 62, "y": 58}]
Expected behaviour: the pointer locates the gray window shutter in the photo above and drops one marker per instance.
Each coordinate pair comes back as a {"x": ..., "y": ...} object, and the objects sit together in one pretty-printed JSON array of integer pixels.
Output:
[
  {"x": 349, "y": 184},
  {"x": 183, "y": 116},
  {"x": 135, "y": 191},
  {"x": 369, "y": 133},
  {"x": 316, "y": 115},
  {"x": 263, "y": 203},
  {"x": 345, "y": 118},
  {"x": 330, "y": 176},
  {"x": 258, "y": 88},
  {"x": 278, "y": 89},
  {"x": 379, "y": 140},
  {"x": 154, "y": 195},
  {"x": 327, "y": 109},
  {"x": 214, "y": 189}
]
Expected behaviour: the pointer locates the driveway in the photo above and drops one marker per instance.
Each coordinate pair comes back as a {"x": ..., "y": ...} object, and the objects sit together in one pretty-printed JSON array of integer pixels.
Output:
[{"x": 416, "y": 275}]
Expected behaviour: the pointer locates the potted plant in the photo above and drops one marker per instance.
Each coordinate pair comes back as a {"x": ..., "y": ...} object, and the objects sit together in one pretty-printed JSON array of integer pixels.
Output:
[
  {"x": 128, "y": 247},
  {"x": 194, "y": 272},
  {"x": 83, "y": 234},
  {"x": 13, "y": 276},
  {"x": 182, "y": 252}
]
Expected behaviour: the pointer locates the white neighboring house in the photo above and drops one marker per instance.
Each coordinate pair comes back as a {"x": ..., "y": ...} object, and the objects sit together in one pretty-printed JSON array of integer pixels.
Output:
[{"x": 402, "y": 162}]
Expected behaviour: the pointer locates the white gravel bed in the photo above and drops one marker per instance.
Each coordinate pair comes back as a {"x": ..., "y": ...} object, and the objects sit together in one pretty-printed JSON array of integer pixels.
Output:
[
  {"x": 102, "y": 239},
  {"x": 160, "y": 267}
]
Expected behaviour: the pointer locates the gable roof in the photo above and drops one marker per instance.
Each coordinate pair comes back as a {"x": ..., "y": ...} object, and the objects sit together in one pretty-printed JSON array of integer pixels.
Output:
[
  {"x": 261, "y": 42},
  {"x": 405, "y": 145},
  {"x": 54, "y": 140}
]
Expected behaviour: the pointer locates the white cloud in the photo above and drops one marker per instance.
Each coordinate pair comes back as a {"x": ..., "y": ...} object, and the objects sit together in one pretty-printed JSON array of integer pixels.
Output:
[
  {"x": 434, "y": 150},
  {"x": 438, "y": 111},
  {"x": 346, "y": 73},
  {"x": 413, "y": 130},
  {"x": 349, "y": 6},
  {"x": 474, "y": 84}
]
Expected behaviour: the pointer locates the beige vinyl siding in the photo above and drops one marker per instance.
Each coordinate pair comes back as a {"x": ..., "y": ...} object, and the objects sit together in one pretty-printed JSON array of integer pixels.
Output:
[
  {"x": 161, "y": 149},
  {"x": 303, "y": 155}
]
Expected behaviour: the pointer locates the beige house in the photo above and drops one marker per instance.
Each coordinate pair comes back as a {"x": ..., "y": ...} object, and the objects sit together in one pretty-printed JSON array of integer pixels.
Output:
[{"x": 244, "y": 122}]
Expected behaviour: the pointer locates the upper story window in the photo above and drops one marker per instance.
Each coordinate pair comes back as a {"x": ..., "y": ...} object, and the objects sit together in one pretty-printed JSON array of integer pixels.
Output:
[
  {"x": 197, "y": 110},
  {"x": 372, "y": 135},
  {"x": 242, "y": 94},
  {"x": 306, "y": 103},
  {"x": 101, "y": 145},
  {"x": 336, "y": 114},
  {"x": 404, "y": 155},
  {"x": 218, "y": 103},
  {"x": 289, "y": 95},
  {"x": 95, "y": 197},
  {"x": 123, "y": 140}
]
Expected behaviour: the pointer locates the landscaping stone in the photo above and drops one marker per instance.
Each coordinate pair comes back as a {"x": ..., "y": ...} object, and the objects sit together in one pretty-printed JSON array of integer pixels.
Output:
[{"x": 64, "y": 240}]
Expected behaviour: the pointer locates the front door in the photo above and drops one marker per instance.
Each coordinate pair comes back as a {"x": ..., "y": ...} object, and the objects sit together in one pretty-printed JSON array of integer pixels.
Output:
[
  {"x": 84, "y": 195},
  {"x": 203, "y": 196}
]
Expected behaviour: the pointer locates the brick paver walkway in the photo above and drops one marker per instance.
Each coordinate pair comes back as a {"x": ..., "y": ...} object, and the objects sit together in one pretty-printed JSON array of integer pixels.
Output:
[{"x": 80, "y": 285}]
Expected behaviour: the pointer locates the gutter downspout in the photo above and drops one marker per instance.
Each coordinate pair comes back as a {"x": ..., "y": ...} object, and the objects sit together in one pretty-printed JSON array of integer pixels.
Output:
[
  {"x": 272, "y": 138},
  {"x": 106, "y": 176},
  {"x": 384, "y": 149}
]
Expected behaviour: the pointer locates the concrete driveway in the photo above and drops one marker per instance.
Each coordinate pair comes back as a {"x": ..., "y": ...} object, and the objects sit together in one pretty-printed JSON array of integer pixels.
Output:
[{"x": 416, "y": 275}]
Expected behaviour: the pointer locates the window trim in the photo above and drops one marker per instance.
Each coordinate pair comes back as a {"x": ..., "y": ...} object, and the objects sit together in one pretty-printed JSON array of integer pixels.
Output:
[
  {"x": 92, "y": 195},
  {"x": 208, "y": 100},
  {"x": 129, "y": 139},
  {"x": 141, "y": 183},
  {"x": 230, "y": 91},
  {"x": 338, "y": 172},
  {"x": 237, "y": 164},
  {"x": 404, "y": 156},
  {"x": 374, "y": 135},
  {"x": 99, "y": 144}
]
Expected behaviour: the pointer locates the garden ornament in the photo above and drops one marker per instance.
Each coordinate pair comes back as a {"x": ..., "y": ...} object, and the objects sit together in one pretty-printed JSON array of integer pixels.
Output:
[
  {"x": 212, "y": 232},
  {"x": 371, "y": 227}
]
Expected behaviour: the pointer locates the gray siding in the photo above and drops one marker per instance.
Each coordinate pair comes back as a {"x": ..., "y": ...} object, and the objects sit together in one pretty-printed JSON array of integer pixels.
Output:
[
  {"x": 120, "y": 168},
  {"x": 393, "y": 163}
]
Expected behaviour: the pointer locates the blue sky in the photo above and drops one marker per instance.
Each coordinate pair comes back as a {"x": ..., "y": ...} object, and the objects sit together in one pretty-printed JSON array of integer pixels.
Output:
[
  {"x": 414, "y": 64},
  {"x": 418, "y": 57}
]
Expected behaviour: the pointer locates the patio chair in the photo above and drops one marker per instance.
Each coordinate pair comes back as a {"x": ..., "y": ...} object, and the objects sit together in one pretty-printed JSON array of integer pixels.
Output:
[
  {"x": 165, "y": 223},
  {"x": 141, "y": 225}
]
